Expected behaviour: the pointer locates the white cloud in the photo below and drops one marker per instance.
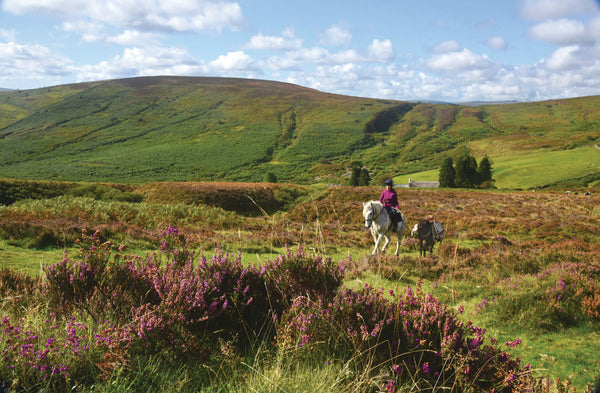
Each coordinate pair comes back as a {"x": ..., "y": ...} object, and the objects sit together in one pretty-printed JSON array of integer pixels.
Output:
[
  {"x": 236, "y": 61},
  {"x": 138, "y": 61},
  {"x": 447, "y": 46},
  {"x": 553, "y": 9},
  {"x": 378, "y": 52},
  {"x": 134, "y": 37},
  {"x": 497, "y": 43},
  {"x": 457, "y": 61},
  {"x": 31, "y": 62},
  {"x": 594, "y": 29},
  {"x": 263, "y": 42},
  {"x": 7, "y": 35},
  {"x": 180, "y": 15},
  {"x": 382, "y": 51},
  {"x": 343, "y": 57},
  {"x": 336, "y": 36},
  {"x": 88, "y": 30},
  {"x": 561, "y": 32},
  {"x": 563, "y": 58}
]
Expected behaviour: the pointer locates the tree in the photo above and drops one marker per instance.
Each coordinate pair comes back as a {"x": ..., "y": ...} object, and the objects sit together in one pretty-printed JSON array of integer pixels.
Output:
[
  {"x": 269, "y": 178},
  {"x": 360, "y": 176},
  {"x": 354, "y": 176},
  {"x": 364, "y": 178},
  {"x": 466, "y": 172},
  {"x": 484, "y": 170},
  {"x": 447, "y": 173}
]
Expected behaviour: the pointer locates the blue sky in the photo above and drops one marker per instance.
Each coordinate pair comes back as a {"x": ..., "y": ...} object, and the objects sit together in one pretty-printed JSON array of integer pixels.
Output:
[{"x": 456, "y": 51}]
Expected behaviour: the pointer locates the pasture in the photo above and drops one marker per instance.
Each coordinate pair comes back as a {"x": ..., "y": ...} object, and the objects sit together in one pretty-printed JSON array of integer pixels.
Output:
[
  {"x": 519, "y": 168},
  {"x": 521, "y": 268}
]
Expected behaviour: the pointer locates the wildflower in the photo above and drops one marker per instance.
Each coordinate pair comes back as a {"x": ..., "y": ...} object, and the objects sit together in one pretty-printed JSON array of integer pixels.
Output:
[
  {"x": 390, "y": 386},
  {"x": 426, "y": 368}
]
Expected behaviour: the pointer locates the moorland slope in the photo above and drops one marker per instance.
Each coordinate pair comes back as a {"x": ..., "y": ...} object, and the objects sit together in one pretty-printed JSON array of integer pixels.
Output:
[{"x": 198, "y": 128}]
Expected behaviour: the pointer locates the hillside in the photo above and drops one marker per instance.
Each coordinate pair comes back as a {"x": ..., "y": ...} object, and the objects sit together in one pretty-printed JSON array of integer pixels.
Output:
[{"x": 193, "y": 128}]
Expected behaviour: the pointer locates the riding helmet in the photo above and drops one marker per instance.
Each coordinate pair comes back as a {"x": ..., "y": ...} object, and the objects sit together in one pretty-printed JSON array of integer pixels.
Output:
[{"x": 389, "y": 182}]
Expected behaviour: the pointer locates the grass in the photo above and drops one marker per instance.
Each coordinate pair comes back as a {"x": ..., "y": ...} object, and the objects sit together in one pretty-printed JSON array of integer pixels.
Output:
[
  {"x": 537, "y": 169},
  {"x": 526, "y": 169},
  {"x": 141, "y": 130},
  {"x": 26, "y": 260},
  {"x": 471, "y": 267}
]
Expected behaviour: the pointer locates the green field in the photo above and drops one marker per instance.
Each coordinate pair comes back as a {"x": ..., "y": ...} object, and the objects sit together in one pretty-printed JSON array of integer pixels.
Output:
[
  {"x": 142, "y": 130},
  {"x": 531, "y": 169}
]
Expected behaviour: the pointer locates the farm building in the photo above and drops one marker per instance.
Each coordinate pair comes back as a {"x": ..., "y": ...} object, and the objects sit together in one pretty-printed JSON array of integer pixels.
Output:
[{"x": 422, "y": 184}]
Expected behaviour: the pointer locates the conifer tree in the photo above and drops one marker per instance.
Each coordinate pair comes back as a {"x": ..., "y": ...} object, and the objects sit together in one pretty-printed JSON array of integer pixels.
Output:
[
  {"x": 364, "y": 178},
  {"x": 484, "y": 170},
  {"x": 447, "y": 173},
  {"x": 466, "y": 172},
  {"x": 355, "y": 166}
]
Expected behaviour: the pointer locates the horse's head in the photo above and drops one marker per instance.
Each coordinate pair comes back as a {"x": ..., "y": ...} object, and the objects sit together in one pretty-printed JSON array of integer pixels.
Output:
[
  {"x": 424, "y": 229},
  {"x": 369, "y": 213}
]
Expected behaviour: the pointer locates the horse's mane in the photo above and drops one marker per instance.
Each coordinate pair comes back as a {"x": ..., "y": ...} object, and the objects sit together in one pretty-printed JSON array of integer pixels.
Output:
[{"x": 376, "y": 204}]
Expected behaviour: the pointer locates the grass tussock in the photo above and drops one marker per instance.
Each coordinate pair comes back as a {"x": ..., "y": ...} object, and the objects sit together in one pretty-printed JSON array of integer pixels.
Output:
[{"x": 514, "y": 282}]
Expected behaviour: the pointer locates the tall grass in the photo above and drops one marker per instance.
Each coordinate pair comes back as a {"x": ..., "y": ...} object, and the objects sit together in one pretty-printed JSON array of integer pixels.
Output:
[
  {"x": 97, "y": 212},
  {"x": 521, "y": 265}
]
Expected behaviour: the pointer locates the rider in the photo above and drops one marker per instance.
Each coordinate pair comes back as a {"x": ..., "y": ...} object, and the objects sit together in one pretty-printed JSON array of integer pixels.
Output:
[{"x": 389, "y": 199}]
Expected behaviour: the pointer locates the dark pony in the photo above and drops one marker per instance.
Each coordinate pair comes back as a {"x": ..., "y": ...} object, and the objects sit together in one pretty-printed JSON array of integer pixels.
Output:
[{"x": 428, "y": 232}]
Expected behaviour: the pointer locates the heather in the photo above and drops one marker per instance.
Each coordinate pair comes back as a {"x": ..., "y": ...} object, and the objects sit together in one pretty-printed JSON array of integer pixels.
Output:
[
  {"x": 92, "y": 317},
  {"x": 288, "y": 300}
]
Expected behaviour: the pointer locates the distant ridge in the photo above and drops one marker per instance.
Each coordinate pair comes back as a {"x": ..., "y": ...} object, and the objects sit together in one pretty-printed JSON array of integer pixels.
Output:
[
  {"x": 480, "y": 103},
  {"x": 169, "y": 128}
]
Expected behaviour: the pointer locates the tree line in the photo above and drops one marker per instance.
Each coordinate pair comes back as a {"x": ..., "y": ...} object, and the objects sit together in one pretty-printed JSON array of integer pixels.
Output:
[{"x": 466, "y": 173}]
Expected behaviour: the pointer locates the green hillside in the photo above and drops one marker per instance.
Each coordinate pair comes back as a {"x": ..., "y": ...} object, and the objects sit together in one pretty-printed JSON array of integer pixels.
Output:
[{"x": 192, "y": 128}]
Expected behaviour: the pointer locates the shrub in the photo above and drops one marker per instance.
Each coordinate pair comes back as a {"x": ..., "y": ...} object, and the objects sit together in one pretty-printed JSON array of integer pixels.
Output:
[
  {"x": 417, "y": 339},
  {"x": 98, "y": 285},
  {"x": 560, "y": 296},
  {"x": 105, "y": 193},
  {"x": 178, "y": 305},
  {"x": 50, "y": 354}
]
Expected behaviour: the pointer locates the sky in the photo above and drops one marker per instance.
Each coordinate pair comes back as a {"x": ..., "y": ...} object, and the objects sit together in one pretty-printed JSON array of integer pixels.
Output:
[{"x": 428, "y": 50}]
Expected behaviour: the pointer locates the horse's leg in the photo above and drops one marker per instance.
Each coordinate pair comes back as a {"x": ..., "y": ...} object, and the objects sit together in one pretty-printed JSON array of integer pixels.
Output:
[
  {"x": 377, "y": 241},
  {"x": 385, "y": 244},
  {"x": 399, "y": 237}
]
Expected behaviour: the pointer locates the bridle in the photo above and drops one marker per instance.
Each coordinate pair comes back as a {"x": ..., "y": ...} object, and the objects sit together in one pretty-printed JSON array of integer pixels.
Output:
[{"x": 370, "y": 216}]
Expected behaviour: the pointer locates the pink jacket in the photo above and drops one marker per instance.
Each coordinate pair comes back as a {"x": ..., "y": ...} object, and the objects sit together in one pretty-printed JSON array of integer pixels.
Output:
[{"x": 389, "y": 198}]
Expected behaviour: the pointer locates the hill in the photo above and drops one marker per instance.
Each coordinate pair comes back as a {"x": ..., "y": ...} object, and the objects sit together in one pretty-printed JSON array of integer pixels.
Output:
[{"x": 195, "y": 128}]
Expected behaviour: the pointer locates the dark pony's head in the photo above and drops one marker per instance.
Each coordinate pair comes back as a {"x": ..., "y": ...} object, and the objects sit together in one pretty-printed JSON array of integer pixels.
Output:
[{"x": 425, "y": 229}]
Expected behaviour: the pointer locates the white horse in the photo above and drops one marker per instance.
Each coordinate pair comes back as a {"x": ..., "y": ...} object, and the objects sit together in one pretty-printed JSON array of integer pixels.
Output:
[{"x": 377, "y": 219}]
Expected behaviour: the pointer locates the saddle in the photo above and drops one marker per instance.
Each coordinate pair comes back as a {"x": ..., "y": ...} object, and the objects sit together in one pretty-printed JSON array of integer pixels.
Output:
[{"x": 395, "y": 216}]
